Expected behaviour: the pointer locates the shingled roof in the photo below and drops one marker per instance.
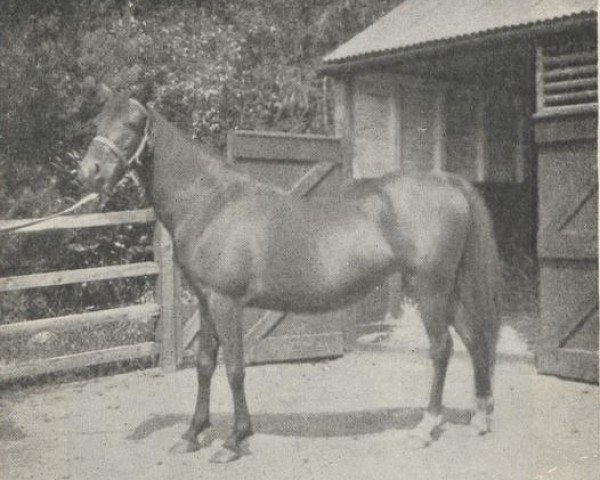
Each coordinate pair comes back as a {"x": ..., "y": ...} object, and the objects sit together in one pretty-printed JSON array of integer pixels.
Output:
[{"x": 418, "y": 23}]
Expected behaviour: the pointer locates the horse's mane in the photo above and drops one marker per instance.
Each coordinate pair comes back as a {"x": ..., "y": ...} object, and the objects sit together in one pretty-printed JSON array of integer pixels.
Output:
[{"x": 213, "y": 159}]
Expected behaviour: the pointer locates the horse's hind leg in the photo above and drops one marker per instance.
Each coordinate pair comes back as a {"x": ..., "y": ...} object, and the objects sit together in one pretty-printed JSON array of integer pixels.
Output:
[
  {"x": 227, "y": 314},
  {"x": 436, "y": 311},
  {"x": 206, "y": 359},
  {"x": 481, "y": 345}
]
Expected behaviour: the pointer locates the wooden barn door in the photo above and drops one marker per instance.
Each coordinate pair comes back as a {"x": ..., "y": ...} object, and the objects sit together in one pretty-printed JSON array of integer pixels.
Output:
[
  {"x": 566, "y": 131},
  {"x": 300, "y": 165}
]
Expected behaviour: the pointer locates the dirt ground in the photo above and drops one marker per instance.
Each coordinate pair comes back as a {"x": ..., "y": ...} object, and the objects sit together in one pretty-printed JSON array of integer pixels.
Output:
[{"x": 344, "y": 418}]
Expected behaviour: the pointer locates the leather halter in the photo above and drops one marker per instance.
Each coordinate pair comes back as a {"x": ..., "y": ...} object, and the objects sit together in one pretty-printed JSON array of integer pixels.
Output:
[{"x": 119, "y": 152}]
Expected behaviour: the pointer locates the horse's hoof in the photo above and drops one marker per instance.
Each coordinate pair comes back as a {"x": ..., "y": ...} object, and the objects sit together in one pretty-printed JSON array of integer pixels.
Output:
[
  {"x": 481, "y": 424},
  {"x": 230, "y": 452},
  {"x": 225, "y": 455},
  {"x": 185, "y": 446},
  {"x": 417, "y": 441},
  {"x": 421, "y": 436}
]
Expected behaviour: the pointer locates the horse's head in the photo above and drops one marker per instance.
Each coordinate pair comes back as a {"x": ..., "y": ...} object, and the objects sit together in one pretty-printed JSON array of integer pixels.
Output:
[{"x": 122, "y": 133}]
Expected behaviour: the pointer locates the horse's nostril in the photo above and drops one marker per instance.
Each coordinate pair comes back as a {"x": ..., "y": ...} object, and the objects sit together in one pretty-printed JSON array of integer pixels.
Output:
[{"x": 96, "y": 169}]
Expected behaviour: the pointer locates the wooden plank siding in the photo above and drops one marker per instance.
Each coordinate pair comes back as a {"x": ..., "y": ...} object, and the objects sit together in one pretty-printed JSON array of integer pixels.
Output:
[
  {"x": 566, "y": 78},
  {"x": 568, "y": 243},
  {"x": 282, "y": 146},
  {"x": 311, "y": 179}
]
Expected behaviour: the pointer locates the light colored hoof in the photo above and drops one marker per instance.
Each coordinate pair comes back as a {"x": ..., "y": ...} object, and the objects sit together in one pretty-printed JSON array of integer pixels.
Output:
[
  {"x": 420, "y": 436},
  {"x": 185, "y": 446},
  {"x": 481, "y": 424},
  {"x": 225, "y": 455},
  {"x": 417, "y": 441}
]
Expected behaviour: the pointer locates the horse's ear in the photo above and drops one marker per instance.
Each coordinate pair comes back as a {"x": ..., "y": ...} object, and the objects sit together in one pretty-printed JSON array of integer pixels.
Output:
[
  {"x": 104, "y": 92},
  {"x": 145, "y": 92}
]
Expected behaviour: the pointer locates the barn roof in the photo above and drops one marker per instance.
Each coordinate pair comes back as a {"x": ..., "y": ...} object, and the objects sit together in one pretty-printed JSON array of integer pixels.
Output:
[{"x": 418, "y": 23}]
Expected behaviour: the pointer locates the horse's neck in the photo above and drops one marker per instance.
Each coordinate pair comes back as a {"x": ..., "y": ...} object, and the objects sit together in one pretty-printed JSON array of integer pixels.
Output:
[{"x": 183, "y": 175}]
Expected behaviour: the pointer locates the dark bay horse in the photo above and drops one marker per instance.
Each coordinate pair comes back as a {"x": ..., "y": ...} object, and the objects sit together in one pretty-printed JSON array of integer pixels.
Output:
[{"x": 253, "y": 246}]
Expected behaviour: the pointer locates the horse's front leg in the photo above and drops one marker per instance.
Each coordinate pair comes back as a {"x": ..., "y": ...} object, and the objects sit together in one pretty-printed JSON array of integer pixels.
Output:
[
  {"x": 227, "y": 314},
  {"x": 206, "y": 359}
]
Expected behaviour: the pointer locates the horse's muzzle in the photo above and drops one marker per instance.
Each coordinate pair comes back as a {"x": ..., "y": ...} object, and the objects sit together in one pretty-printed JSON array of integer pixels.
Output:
[
  {"x": 89, "y": 175},
  {"x": 98, "y": 171}
]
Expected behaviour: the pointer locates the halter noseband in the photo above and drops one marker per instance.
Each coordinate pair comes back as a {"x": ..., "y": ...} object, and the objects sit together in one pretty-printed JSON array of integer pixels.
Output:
[{"x": 119, "y": 152}]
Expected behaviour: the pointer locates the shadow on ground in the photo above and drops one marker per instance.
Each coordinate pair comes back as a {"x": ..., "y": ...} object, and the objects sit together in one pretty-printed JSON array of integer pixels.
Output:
[
  {"x": 322, "y": 424},
  {"x": 10, "y": 432}
]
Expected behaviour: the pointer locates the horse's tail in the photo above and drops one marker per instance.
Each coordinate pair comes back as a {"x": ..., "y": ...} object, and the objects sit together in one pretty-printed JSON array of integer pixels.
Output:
[{"x": 480, "y": 277}]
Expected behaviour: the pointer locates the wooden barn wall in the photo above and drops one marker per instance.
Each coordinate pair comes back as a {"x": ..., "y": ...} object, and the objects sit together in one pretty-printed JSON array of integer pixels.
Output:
[
  {"x": 568, "y": 245},
  {"x": 374, "y": 127}
]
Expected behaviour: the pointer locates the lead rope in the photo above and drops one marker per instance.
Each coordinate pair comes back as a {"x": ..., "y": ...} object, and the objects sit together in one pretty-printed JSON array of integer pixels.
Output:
[{"x": 88, "y": 198}]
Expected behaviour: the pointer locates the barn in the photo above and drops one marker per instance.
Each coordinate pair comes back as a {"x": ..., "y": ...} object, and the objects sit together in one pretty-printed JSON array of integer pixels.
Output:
[{"x": 505, "y": 94}]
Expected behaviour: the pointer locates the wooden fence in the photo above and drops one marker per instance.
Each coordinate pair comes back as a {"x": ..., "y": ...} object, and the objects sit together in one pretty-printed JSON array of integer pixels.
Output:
[{"x": 165, "y": 343}]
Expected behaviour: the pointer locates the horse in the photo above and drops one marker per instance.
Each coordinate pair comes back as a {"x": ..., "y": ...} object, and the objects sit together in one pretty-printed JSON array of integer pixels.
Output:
[{"x": 249, "y": 245}]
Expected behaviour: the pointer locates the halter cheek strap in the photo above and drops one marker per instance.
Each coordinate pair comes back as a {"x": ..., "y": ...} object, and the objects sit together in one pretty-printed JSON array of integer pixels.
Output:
[{"x": 119, "y": 152}]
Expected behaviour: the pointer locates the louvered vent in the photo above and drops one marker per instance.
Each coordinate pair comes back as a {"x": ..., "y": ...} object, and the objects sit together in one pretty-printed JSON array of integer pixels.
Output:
[{"x": 567, "y": 77}]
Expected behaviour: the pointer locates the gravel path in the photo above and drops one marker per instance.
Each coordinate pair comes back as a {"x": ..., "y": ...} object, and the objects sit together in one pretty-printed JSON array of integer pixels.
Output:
[{"x": 341, "y": 419}]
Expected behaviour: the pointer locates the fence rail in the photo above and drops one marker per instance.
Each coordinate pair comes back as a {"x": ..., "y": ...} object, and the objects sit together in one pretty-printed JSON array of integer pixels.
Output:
[
  {"x": 79, "y": 360},
  {"x": 87, "y": 220},
  {"x": 132, "y": 314},
  {"x": 283, "y": 146},
  {"x": 65, "y": 277},
  {"x": 166, "y": 336}
]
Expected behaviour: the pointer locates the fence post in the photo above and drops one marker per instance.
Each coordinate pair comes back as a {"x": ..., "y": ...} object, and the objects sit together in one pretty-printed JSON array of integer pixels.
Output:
[{"x": 165, "y": 295}]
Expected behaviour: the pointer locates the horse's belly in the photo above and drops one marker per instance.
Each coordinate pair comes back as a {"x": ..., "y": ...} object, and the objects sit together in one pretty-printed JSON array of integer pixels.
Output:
[
  {"x": 316, "y": 297},
  {"x": 343, "y": 265}
]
